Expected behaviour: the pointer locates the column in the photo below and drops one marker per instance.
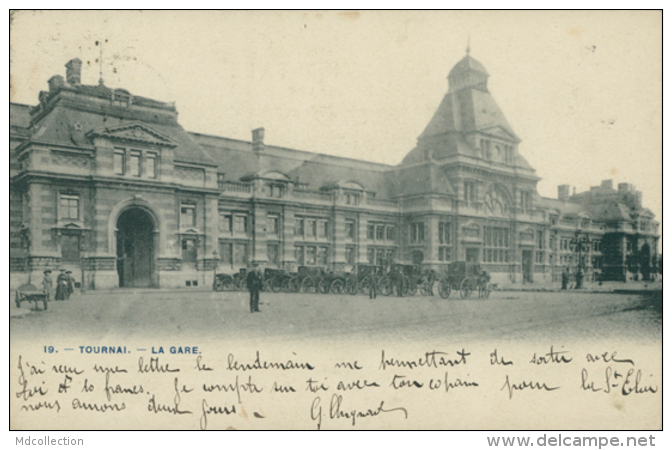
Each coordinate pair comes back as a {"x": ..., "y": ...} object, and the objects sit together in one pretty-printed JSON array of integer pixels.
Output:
[
  {"x": 287, "y": 236},
  {"x": 361, "y": 239},
  {"x": 258, "y": 254},
  {"x": 338, "y": 241}
]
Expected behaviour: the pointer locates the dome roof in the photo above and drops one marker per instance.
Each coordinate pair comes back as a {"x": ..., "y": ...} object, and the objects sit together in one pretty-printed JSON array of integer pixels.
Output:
[{"x": 467, "y": 64}]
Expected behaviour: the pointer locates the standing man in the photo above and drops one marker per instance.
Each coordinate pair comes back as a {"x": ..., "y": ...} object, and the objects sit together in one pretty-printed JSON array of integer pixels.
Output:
[
  {"x": 431, "y": 279},
  {"x": 373, "y": 282},
  {"x": 254, "y": 285},
  {"x": 400, "y": 282},
  {"x": 565, "y": 278}
]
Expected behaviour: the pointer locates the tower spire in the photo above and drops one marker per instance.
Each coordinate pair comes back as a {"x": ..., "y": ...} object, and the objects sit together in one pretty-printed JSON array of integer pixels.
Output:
[{"x": 468, "y": 44}]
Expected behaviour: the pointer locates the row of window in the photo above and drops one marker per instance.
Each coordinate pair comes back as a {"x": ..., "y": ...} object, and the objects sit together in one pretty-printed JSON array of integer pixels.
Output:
[
  {"x": 138, "y": 163},
  {"x": 311, "y": 228},
  {"x": 311, "y": 255},
  {"x": 380, "y": 232}
]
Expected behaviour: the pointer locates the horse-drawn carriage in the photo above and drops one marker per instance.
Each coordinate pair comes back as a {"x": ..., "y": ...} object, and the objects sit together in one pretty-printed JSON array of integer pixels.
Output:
[
  {"x": 226, "y": 282},
  {"x": 465, "y": 277}
]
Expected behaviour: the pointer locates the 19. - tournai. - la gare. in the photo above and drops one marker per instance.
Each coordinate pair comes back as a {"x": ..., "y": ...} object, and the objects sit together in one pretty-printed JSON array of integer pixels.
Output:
[{"x": 107, "y": 184}]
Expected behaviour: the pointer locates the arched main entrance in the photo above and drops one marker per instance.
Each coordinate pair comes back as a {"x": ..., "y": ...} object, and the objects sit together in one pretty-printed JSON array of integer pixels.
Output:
[{"x": 135, "y": 248}]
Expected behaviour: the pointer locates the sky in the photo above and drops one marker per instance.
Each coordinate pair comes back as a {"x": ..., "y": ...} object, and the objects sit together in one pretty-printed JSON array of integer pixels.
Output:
[{"x": 583, "y": 90}]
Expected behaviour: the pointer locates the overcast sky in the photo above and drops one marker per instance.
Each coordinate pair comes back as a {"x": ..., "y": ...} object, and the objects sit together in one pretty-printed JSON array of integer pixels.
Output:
[{"x": 581, "y": 89}]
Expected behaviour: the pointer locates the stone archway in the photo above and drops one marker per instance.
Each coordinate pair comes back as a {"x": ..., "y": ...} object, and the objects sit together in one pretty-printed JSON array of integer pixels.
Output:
[{"x": 135, "y": 248}]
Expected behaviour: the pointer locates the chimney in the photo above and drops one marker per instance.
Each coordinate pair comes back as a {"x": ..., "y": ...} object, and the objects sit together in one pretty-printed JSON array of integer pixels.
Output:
[
  {"x": 563, "y": 192},
  {"x": 623, "y": 188},
  {"x": 55, "y": 83},
  {"x": 608, "y": 184},
  {"x": 258, "y": 140},
  {"x": 73, "y": 73}
]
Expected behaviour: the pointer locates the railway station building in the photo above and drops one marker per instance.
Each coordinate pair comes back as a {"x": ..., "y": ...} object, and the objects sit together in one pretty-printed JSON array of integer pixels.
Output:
[{"x": 109, "y": 185}]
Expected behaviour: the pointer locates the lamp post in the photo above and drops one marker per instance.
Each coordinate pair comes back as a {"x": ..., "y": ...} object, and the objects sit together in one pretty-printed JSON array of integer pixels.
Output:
[{"x": 579, "y": 244}]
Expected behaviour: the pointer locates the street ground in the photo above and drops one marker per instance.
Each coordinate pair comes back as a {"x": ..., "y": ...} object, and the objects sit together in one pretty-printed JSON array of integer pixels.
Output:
[{"x": 506, "y": 315}]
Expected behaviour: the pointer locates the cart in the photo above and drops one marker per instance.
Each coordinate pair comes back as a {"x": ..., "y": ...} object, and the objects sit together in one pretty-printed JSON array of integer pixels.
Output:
[
  {"x": 29, "y": 293},
  {"x": 461, "y": 276}
]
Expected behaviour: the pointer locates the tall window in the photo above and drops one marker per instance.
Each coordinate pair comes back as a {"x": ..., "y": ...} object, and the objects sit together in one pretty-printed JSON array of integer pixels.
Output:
[
  {"x": 350, "y": 229},
  {"x": 311, "y": 255},
  {"x": 370, "y": 231},
  {"x": 351, "y": 198},
  {"x": 298, "y": 255},
  {"x": 119, "y": 162},
  {"x": 525, "y": 200},
  {"x": 323, "y": 229},
  {"x": 135, "y": 164},
  {"x": 189, "y": 250},
  {"x": 69, "y": 207},
  {"x": 350, "y": 255},
  {"x": 225, "y": 222},
  {"x": 389, "y": 233},
  {"x": 496, "y": 245},
  {"x": 240, "y": 224},
  {"x": 151, "y": 165},
  {"x": 371, "y": 255},
  {"x": 226, "y": 253},
  {"x": 444, "y": 233},
  {"x": 380, "y": 232},
  {"x": 273, "y": 253},
  {"x": 272, "y": 224},
  {"x": 299, "y": 226},
  {"x": 417, "y": 232},
  {"x": 240, "y": 254},
  {"x": 323, "y": 256},
  {"x": 445, "y": 253},
  {"x": 187, "y": 215},
  {"x": 540, "y": 240},
  {"x": 311, "y": 227},
  {"x": 470, "y": 191}
]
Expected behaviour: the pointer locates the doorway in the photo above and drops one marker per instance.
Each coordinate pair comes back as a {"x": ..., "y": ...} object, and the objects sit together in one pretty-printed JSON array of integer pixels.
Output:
[
  {"x": 527, "y": 266},
  {"x": 473, "y": 255},
  {"x": 135, "y": 248}
]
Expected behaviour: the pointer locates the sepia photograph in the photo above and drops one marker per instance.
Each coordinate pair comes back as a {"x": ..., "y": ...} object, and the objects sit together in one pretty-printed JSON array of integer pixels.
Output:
[{"x": 335, "y": 220}]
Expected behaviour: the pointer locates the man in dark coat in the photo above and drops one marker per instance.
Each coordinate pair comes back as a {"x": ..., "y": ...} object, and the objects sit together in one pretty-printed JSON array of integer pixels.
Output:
[
  {"x": 373, "y": 282},
  {"x": 254, "y": 285},
  {"x": 565, "y": 278}
]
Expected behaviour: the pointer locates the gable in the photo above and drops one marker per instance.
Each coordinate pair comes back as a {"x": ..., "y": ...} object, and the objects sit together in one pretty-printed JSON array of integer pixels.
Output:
[{"x": 133, "y": 132}]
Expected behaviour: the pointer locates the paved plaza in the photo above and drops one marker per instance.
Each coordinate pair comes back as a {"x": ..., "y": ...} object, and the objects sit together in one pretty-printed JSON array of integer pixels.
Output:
[{"x": 506, "y": 315}]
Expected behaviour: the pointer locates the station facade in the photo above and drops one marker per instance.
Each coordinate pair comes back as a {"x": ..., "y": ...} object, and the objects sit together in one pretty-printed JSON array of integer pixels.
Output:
[{"x": 109, "y": 185}]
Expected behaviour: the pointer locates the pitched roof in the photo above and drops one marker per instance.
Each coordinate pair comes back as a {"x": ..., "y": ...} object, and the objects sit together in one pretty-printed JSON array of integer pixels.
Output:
[{"x": 59, "y": 127}]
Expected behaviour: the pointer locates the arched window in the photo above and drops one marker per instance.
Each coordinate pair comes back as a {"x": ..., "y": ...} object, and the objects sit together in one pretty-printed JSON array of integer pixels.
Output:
[{"x": 497, "y": 201}]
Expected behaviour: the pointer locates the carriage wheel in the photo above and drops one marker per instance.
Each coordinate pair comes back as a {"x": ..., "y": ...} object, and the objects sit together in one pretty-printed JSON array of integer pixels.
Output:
[
  {"x": 337, "y": 286},
  {"x": 352, "y": 287},
  {"x": 412, "y": 287},
  {"x": 386, "y": 286},
  {"x": 267, "y": 287},
  {"x": 424, "y": 289},
  {"x": 276, "y": 285},
  {"x": 363, "y": 286},
  {"x": 484, "y": 291},
  {"x": 323, "y": 286},
  {"x": 308, "y": 285},
  {"x": 466, "y": 288},
  {"x": 444, "y": 289}
]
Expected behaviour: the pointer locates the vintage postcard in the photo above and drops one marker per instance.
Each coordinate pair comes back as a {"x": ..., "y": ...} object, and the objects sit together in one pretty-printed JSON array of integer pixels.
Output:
[{"x": 305, "y": 220}]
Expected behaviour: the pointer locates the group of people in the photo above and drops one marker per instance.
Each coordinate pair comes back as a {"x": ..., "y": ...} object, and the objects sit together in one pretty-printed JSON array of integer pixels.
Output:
[
  {"x": 65, "y": 285},
  {"x": 254, "y": 279}
]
